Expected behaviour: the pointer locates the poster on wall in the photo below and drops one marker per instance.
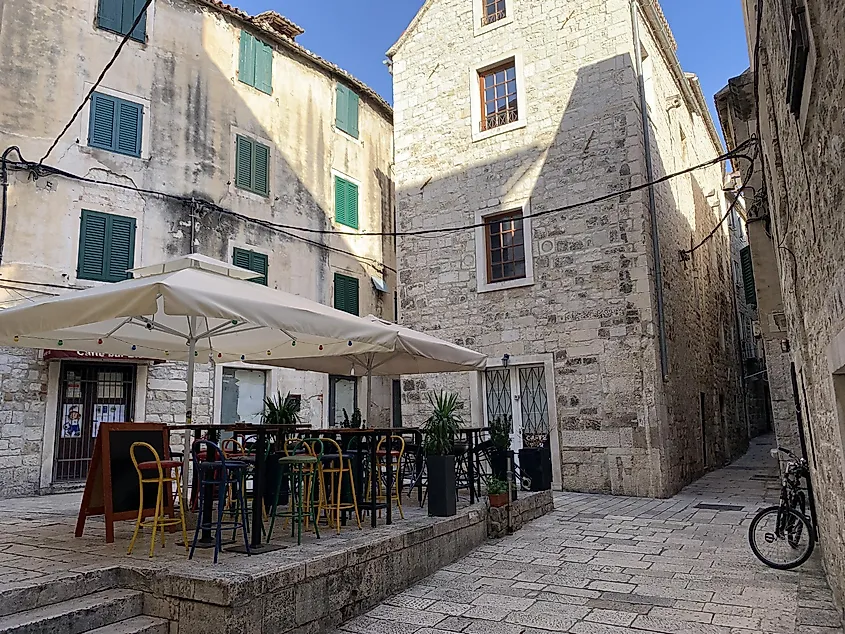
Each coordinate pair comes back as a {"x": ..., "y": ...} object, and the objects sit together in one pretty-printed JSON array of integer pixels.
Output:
[
  {"x": 72, "y": 421},
  {"x": 107, "y": 414}
]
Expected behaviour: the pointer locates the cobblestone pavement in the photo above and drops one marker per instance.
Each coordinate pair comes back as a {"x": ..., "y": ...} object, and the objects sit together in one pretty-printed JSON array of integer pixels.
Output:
[{"x": 609, "y": 565}]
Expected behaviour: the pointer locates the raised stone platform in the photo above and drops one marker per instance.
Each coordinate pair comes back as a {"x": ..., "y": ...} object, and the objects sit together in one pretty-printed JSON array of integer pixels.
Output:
[
  {"x": 307, "y": 588},
  {"x": 504, "y": 520}
]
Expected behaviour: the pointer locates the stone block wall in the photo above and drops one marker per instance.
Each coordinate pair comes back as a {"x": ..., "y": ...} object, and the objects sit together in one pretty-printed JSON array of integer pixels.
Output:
[
  {"x": 528, "y": 507},
  {"x": 23, "y": 390},
  {"x": 804, "y": 169},
  {"x": 591, "y": 305}
]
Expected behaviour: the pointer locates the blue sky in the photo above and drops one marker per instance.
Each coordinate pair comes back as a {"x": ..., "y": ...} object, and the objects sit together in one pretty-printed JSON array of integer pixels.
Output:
[{"x": 355, "y": 35}]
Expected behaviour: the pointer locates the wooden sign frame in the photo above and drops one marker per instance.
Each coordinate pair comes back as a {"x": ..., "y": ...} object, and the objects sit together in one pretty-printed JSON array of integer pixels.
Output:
[{"x": 98, "y": 498}]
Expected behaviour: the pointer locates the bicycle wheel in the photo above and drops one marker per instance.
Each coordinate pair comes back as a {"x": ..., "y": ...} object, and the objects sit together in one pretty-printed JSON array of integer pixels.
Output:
[{"x": 781, "y": 538}]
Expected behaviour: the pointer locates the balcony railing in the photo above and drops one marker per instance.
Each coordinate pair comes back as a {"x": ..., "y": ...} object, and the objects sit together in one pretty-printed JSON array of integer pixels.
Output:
[
  {"x": 495, "y": 16},
  {"x": 498, "y": 119}
]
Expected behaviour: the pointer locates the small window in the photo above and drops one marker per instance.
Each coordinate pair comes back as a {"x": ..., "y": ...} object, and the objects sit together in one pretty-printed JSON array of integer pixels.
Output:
[
  {"x": 345, "y": 202},
  {"x": 118, "y": 16},
  {"x": 115, "y": 124},
  {"x": 252, "y": 165},
  {"x": 242, "y": 396},
  {"x": 498, "y": 96},
  {"x": 346, "y": 106},
  {"x": 106, "y": 247},
  {"x": 251, "y": 261},
  {"x": 346, "y": 293},
  {"x": 255, "y": 67},
  {"x": 494, "y": 10},
  {"x": 505, "y": 247},
  {"x": 748, "y": 276},
  {"x": 799, "y": 53}
]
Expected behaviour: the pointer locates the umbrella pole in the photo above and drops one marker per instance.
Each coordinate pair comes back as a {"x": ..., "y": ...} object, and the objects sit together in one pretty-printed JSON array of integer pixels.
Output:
[
  {"x": 370, "y": 392},
  {"x": 186, "y": 459}
]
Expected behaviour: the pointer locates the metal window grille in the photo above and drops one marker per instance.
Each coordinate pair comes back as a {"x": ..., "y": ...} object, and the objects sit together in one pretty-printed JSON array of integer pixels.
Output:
[
  {"x": 534, "y": 403},
  {"x": 505, "y": 247},
  {"x": 90, "y": 394},
  {"x": 494, "y": 10},
  {"x": 498, "y": 394},
  {"x": 498, "y": 96}
]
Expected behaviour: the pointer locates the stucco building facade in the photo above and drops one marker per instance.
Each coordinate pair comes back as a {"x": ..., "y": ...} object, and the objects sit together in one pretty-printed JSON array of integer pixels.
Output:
[
  {"x": 599, "y": 330},
  {"x": 796, "y": 103},
  {"x": 231, "y": 129}
]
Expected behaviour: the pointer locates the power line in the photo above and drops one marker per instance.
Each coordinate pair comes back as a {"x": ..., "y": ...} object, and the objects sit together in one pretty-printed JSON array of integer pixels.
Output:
[
  {"x": 39, "y": 170},
  {"x": 99, "y": 79}
]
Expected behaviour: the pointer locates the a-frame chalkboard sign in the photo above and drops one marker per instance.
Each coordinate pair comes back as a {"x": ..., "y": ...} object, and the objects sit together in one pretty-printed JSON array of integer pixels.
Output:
[{"x": 112, "y": 487}]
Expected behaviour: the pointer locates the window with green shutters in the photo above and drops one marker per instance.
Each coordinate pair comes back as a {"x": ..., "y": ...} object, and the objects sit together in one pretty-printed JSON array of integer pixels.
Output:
[
  {"x": 115, "y": 124},
  {"x": 119, "y": 15},
  {"x": 748, "y": 276},
  {"x": 345, "y": 202},
  {"x": 347, "y": 111},
  {"x": 346, "y": 293},
  {"x": 252, "y": 165},
  {"x": 106, "y": 247},
  {"x": 255, "y": 67},
  {"x": 252, "y": 261}
]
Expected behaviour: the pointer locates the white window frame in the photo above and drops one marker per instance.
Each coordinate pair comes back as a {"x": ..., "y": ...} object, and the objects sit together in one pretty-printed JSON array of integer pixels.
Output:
[
  {"x": 475, "y": 95},
  {"x": 85, "y": 121},
  {"x": 270, "y": 381},
  {"x": 234, "y": 131},
  {"x": 361, "y": 215},
  {"x": 483, "y": 284},
  {"x": 478, "y": 13}
]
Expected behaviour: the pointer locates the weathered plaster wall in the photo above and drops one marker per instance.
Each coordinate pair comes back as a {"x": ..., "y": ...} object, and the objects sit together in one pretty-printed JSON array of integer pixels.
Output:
[
  {"x": 185, "y": 75},
  {"x": 803, "y": 170},
  {"x": 591, "y": 305}
]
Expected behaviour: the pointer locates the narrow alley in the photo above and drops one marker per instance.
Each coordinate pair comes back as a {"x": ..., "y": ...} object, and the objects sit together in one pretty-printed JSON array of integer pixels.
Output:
[{"x": 608, "y": 565}]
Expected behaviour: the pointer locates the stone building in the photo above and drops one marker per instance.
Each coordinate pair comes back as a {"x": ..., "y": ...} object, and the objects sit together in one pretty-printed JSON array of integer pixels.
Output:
[
  {"x": 795, "y": 101},
  {"x": 510, "y": 114},
  {"x": 229, "y": 127}
]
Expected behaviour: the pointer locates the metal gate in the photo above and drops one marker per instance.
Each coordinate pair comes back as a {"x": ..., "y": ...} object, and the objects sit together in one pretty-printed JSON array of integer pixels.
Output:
[
  {"x": 89, "y": 394},
  {"x": 519, "y": 393}
]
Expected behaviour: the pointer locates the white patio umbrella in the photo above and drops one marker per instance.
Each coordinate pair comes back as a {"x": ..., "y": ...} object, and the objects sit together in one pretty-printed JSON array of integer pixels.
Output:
[
  {"x": 409, "y": 352},
  {"x": 187, "y": 309}
]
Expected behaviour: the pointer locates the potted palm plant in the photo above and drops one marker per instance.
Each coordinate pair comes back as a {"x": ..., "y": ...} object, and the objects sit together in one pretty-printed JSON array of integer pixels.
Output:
[
  {"x": 497, "y": 492},
  {"x": 439, "y": 433},
  {"x": 281, "y": 411}
]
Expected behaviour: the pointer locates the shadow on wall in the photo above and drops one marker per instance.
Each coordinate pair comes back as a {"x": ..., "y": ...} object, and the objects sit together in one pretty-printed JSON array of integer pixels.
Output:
[{"x": 592, "y": 304}]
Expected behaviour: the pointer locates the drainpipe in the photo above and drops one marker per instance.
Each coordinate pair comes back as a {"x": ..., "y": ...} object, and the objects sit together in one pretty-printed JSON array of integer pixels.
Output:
[
  {"x": 4, "y": 180},
  {"x": 652, "y": 203}
]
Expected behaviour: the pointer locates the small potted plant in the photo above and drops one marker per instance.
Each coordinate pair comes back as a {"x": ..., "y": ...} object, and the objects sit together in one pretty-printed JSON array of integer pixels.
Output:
[
  {"x": 497, "y": 492},
  {"x": 439, "y": 433},
  {"x": 501, "y": 455},
  {"x": 281, "y": 411}
]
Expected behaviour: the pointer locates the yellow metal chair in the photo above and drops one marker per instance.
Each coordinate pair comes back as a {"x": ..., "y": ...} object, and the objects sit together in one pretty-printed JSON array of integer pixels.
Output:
[
  {"x": 334, "y": 465},
  {"x": 165, "y": 473}
]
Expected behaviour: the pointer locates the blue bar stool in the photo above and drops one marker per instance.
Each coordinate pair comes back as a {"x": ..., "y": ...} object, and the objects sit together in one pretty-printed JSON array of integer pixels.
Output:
[{"x": 224, "y": 474}]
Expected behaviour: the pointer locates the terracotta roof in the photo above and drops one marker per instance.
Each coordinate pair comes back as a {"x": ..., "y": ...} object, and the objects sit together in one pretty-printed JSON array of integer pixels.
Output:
[{"x": 282, "y": 31}]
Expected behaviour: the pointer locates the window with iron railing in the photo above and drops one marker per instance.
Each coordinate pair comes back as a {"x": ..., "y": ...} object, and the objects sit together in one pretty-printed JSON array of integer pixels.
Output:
[
  {"x": 494, "y": 10},
  {"x": 498, "y": 96}
]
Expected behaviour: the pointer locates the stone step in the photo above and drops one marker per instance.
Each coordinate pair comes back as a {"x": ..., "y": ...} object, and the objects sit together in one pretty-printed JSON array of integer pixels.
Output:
[
  {"x": 35, "y": 594},
  {"x": 77, "y": 615},
  {"x": 135, "y": 625}
]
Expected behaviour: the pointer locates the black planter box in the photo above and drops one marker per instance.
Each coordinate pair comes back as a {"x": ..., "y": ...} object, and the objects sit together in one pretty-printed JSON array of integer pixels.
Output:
[
  {"x": 499, "y": 468},
  {"x": 442, "y": 496},
  {"x": 537, "y": 465}
]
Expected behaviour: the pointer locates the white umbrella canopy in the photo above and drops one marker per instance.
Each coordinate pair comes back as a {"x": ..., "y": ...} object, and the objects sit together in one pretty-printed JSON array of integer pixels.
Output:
[
  {"x": 192, "y": 307},
  {"x": 410, "y": 352}
]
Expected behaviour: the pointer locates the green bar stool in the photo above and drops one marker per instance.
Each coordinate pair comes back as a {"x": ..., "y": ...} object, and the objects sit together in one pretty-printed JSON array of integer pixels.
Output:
[{"x": 303, "y": 473}]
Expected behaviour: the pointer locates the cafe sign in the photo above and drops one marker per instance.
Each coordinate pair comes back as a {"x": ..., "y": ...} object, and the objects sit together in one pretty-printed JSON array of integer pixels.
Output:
[{"x": 54, "y": 355}]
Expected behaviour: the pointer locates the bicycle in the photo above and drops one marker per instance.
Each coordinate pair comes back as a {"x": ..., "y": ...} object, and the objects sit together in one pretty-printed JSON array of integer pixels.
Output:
[{"x": 782, "y": 536}]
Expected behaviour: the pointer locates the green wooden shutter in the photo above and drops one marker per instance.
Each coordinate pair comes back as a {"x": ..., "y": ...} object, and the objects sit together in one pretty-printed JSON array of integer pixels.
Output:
[
  {"x": 345, "y": 202},
  {"x": 246, "y": 67},
  {"x": 341, "y": 107},
  {"x": 352, "y": 116},
  {"x": 258, "y": 264},
  {"x": 261, "y": 168},
  {"x": 243, "y": 162},
  {"x": 110, "y": 15},
  {"x": 120, "y": 248},
  {"x": 748, "y": 276},
  {"x": 263, "y": 67},
  {"x": 102, "y": 121},
  {"x": 339, "y": 200},
  {"x": 346, "y": 293},
  {"x": 352, "y": 204},
  {"x": 240, "y": 257},
  {"x": 129, "y": 123},
  {"x": 131, "y": 8},
  {"x": 91, "y": 263}
]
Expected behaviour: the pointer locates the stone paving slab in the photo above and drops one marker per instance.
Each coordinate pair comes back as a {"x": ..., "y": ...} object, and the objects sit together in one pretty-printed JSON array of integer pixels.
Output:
[{"x": 615, "y": 565}]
